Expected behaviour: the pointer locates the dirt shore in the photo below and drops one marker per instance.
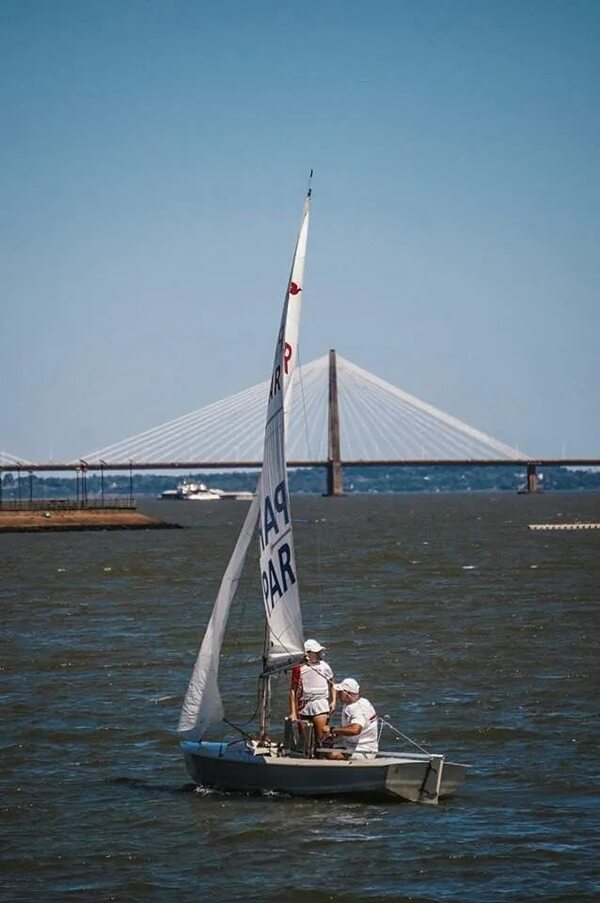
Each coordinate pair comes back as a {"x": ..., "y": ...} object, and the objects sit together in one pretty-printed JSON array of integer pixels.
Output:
[{"x": 78, "y": 519}]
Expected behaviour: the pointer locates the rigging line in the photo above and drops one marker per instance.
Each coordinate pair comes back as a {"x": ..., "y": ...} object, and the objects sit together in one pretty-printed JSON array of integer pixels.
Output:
[
  {"x": 241, "y": 620},
  {"x": 300, "y": 437},
  {"x": 318, "y": 535},
  {"x": 385, "y": 723},
  {"x": 279, "y": 640},
  {"x": 301, "y": 403},
  {"x": 239, "y": 729}
]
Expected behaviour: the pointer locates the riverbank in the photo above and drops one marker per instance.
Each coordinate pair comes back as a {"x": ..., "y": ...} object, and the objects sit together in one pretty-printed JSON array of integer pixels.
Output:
[{"x": 73, "y": 519}]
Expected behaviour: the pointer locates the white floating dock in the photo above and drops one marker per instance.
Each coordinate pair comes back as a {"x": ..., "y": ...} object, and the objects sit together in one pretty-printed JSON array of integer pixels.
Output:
[{"x": 564, "y": 526}]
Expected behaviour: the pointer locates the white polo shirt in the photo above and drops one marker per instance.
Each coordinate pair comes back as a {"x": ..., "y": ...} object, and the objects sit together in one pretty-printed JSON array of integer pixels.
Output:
[{"x": 361, "y": 712}]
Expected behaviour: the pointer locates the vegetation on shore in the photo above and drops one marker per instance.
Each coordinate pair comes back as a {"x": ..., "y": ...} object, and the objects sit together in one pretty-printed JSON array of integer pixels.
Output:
[{"x": 309, "y": 480}]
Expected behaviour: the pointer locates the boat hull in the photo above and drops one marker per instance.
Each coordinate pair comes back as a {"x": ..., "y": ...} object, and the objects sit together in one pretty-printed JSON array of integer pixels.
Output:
[{"x": 235, "y": 767}]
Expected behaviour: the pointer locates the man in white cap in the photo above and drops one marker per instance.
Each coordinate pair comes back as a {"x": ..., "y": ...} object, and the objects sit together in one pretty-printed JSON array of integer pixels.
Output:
[
  {"x": 358, "y": 730},
  {"x": 312, "y": 694}
]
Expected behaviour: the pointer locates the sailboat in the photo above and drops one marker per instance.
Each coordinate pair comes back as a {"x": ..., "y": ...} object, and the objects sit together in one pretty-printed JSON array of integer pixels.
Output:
[{"x": 259, "y": 762}]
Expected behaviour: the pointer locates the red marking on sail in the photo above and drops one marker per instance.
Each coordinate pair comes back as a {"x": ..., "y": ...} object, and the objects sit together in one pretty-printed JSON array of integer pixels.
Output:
[{"x": 294, "y": 288}]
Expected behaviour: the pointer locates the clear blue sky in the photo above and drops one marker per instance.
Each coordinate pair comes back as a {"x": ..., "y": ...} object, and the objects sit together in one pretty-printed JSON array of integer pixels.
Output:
[{"x": 152, "y": 166}]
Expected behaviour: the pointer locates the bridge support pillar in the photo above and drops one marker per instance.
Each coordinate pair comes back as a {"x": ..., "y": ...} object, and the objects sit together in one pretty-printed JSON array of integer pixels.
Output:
[
  {"x": 335, "y": 475},
  {"x": 532, "y": 478}
]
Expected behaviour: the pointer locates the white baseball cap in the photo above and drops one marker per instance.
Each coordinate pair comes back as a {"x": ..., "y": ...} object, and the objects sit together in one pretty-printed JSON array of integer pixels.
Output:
[
  {"x": 313, "y": 646},
  {"x": 348, "y": 685}
]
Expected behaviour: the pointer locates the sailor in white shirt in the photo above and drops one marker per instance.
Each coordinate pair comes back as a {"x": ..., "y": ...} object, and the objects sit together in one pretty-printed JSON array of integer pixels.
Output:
[
  {"x": 358, "y": 730},
  {"x": 312, "y": 694}
]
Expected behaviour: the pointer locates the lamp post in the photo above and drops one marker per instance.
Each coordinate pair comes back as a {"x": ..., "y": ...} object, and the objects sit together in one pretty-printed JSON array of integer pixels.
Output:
[{"x": 83, "y": 483}]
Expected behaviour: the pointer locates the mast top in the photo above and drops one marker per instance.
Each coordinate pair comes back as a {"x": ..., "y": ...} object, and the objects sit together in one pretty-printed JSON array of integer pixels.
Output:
[{"x": 309, "y": 191}]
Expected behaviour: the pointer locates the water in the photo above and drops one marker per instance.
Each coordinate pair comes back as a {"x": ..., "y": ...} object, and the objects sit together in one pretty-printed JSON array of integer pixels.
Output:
[{"x": 477, "y": 636}]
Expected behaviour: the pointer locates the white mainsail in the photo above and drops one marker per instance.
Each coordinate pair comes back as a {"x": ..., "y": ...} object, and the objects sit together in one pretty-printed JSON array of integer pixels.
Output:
[
  {"x": 278, "y": 572},
  {"x": 202, "y": 705}
]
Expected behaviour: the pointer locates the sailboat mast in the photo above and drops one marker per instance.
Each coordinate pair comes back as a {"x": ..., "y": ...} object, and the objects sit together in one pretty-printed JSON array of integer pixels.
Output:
[{"x": 265, "y": 691}]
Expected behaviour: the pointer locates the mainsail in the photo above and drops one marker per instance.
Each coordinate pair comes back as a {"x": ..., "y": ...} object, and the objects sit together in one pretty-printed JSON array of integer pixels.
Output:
[
  {"x": 202, "y": 704},
  {"x": 278, "y": 572}
]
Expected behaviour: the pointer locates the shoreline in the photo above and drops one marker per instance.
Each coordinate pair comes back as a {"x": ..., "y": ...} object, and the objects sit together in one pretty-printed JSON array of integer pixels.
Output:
[{"x": 77, "y": 519}]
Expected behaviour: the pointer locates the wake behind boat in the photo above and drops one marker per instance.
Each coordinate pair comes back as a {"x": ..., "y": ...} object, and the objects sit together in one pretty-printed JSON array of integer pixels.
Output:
[{"x": 259, "y": 763}]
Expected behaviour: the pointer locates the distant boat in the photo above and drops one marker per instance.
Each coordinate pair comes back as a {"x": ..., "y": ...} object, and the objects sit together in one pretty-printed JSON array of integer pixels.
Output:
[
  {"x": 258, "y": 762},
  {"x": 189, "y": 491}
]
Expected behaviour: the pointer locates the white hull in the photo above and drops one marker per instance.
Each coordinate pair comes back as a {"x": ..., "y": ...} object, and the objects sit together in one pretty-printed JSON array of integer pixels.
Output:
[
  {"x": 239, "y": 766},
  {"x": 241, "y": 496},
  {"x": 207, "y": 496},
  {"x": 192, "y": 492}
]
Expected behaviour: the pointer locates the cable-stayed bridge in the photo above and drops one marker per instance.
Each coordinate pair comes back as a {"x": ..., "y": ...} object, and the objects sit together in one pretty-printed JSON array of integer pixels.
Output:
[
  {"x": 339, "y": 416},
  {"x": 10, "y": 462},
  {"x": 377, "y": 422}
]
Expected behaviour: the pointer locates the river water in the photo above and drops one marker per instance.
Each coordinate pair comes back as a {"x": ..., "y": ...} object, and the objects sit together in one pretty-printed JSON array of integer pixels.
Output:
[{"x": 476, "y": 635}]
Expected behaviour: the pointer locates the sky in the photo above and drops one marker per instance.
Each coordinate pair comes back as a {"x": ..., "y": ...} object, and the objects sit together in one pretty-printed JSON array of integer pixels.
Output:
[{"x": 153, "y": 161}]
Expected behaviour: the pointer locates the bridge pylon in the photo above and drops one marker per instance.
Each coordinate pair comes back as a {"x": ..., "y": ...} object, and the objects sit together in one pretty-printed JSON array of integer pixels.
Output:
[
  {"x": 335, "y": 474},
  {"x": 532, "y": 478}
]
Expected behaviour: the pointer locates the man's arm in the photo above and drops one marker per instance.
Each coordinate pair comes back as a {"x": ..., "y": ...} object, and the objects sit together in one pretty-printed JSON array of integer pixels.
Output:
[
  {"x": 332, "y": 697},
  {"x": 292, "y": 704},
  {"x": 351, "y": 730},
  {"x": 293, "y": 696}
]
